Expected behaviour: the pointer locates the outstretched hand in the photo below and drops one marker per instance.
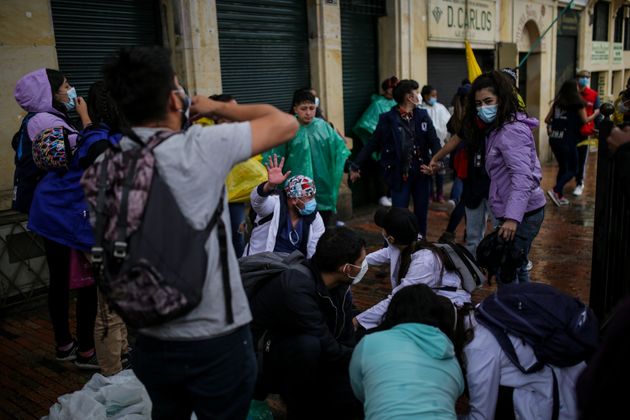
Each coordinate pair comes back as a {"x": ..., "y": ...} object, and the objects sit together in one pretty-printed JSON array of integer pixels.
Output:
[{"x": 274, "y": 171}]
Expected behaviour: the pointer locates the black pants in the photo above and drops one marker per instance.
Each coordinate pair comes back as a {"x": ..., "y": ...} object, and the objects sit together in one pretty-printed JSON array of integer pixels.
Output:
[
  {"x": 58, "y": 257},
  {"x": 215, "y": 377},
  {"x": 567, "y": 157},
  {"x": 311, "y": 387}
]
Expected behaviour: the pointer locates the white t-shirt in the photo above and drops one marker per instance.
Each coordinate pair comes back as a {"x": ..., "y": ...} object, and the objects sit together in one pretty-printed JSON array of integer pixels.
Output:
[{"x": 194, "y": 165}]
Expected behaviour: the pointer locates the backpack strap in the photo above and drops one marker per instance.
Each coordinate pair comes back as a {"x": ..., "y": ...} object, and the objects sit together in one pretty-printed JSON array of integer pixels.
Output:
[
  {"x": 217, "y": 220},
  {"x": 99, "y": 226},
  {"x": 500, "y": 334},
  {"x": 18, "y": 139},
  {"x": 262, "y": 221},
  {"x": 120, "y": 244}
]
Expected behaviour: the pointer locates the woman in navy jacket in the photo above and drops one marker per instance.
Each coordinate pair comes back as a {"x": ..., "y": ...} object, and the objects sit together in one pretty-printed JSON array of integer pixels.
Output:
[{"x": 406, "y": 139}]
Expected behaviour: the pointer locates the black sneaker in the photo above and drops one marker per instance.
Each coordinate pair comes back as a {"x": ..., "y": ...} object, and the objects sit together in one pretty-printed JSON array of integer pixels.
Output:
[
  {"x": 67, "y": 355},
  {"x": 87, "y": 363}
]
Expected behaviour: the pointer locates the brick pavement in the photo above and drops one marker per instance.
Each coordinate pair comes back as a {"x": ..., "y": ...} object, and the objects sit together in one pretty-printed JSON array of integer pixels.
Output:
[{"x": 31, "y": 379}]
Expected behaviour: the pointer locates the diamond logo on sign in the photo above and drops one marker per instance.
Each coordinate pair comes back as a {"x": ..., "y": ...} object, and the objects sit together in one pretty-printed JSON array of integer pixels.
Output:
[{"x": 437, "y": 14}]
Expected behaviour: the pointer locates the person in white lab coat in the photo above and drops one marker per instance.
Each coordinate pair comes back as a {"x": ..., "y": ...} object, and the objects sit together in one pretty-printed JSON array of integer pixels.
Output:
[{"x": 439, "y": 116}]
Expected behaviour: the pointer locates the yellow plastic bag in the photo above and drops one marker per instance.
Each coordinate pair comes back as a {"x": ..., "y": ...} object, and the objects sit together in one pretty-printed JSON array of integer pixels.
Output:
[{"x": 243, "y": 178}]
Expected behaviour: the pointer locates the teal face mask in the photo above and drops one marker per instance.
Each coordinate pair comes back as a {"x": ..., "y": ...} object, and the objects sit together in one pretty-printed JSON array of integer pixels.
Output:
[
  {"x": 487, "y": 113},
  {"x": 583, "y": 81},
  {"x": 309, "y": 208},
  {"x": 432, "y": 101},
  {"x": 72, "y": 96}
]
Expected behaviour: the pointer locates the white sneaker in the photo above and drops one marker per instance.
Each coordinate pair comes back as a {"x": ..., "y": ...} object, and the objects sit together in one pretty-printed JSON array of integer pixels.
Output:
[
  {"x": 579, "y": 189},
  {"x": 450, "y": 206},
  {"x": 385, "y": 201},
  {"x": 554, "y": 197}
]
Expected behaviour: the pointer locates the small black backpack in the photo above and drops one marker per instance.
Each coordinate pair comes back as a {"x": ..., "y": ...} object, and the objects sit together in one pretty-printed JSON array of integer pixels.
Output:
[{"x": 26, "y": 175}]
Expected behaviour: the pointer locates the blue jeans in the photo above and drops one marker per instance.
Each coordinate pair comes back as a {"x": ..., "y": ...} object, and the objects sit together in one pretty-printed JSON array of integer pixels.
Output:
[
  {"x": 457, "y": 189},
  {"x": 237, "y": 216},
  {"x": 214, "y": 377},
  {"x": 526, "y": 231},
  {"x": 476, "y": 223},
  {"x": 417, "y": 188}
]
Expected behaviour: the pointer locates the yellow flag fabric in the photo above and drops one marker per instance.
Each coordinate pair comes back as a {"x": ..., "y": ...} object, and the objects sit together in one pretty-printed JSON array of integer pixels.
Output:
[{"x": 473, "y": 67}]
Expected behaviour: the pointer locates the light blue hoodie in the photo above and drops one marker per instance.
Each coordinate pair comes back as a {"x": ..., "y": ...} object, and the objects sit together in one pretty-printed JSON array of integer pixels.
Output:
[{"x": 407, "y": 372}]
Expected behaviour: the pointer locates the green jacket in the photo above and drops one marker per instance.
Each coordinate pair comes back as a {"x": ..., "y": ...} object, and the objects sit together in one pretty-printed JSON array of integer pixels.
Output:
[{"x": 317, "y": 151}]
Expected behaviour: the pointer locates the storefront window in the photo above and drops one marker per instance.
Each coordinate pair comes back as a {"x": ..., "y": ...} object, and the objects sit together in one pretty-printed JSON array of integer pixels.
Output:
[
  {"x": 619, "y": 25},
  {"x": 600, "y": 21}
]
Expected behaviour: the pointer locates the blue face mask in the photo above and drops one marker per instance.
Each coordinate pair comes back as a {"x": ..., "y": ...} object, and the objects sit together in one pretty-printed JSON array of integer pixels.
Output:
[
  {"x": 72, "y": 96},
  {"x": 583, "y": 81},
  {"x": 432, "y": 101},
  {"x": 309, "y": 208},
  {"x": 487, "y": 113}
]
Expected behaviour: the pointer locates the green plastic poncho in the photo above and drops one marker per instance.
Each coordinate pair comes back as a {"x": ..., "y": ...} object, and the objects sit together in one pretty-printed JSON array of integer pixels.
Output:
[
  {"x": 317, "y": 151},
  {"x": 366, "y": 125}
]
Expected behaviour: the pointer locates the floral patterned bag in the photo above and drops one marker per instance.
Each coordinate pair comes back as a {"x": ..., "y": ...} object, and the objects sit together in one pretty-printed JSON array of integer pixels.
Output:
[{"x": 51, "y": 149}]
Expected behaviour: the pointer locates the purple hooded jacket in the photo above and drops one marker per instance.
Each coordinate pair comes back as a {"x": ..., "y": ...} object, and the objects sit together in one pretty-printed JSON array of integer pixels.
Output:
[
  {"x": 514, "y": 170},
  {"x": 33, "y": 94}
]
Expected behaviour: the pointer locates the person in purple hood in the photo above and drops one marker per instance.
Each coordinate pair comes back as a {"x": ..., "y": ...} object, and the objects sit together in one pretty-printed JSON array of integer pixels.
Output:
[
  {"x": 46, "y": 96},
  {"x": 496, "y": 123}
]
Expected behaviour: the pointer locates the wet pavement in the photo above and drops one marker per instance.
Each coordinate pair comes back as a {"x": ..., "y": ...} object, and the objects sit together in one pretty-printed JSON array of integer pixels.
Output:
[{"x": 31, "y": 379}]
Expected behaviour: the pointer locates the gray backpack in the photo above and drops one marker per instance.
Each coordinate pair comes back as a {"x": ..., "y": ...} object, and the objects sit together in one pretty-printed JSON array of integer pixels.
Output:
[
  {"x": 467, "y": 268},
  {"x": 149, "y": 263},
  {"x": 258, "y": 269}
]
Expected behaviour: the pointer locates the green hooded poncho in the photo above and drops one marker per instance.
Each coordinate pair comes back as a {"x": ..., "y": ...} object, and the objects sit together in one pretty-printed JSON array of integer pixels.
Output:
[
  {"x": 317, "y": 151},
  {"x": 366, "y": 125}
]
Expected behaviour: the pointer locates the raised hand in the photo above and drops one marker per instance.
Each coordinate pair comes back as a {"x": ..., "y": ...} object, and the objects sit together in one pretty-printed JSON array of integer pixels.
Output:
[
  {"x": 274, "y": 171},
  {"x": 354, "y": 175}
]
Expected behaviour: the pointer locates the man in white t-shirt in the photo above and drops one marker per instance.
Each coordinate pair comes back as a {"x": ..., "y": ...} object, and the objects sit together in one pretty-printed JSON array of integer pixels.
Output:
[{"x": 199, "y": 362}]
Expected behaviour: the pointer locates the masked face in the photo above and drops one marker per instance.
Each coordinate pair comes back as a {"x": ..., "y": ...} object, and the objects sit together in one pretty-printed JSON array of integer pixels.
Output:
[
  {"x": 359, "y": 270},
  {"x": 487, "y": 113},
  {"x": 487, "y": 105},
  {"x": 309, "y": 207},
  {"x": 415, "y": 98},
  {"x": 583, "y": 81},
  {"x": 67, "y": 95}
]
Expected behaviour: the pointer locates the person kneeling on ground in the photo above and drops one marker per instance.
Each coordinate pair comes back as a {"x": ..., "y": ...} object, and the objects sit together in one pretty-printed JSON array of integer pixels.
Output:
[
  {"x": 408, "y": 368},
  {"x": 411, "y": 262},
  {"x": 303, "y": 330},
  {"x": 287, "y": 221}
]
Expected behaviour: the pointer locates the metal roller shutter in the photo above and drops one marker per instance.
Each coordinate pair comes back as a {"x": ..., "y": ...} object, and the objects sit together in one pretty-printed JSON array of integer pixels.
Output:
[
  {"x": 263, "y": 49},
  {"x": 88, "y": 32},
  {"x": 359, "y": 50},
  {"x": 447, "y": 68}
]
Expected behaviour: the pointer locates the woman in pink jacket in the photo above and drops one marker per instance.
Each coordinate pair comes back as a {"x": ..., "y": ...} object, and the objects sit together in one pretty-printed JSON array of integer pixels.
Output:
[{"x": 497, "y": 124}]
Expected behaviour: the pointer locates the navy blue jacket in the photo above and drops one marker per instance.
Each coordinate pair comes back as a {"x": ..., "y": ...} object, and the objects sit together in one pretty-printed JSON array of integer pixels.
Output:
[{"x": 387, "y": 140}]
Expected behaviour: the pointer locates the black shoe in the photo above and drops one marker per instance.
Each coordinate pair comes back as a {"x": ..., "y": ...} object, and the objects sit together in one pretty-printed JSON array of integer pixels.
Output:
[
  {"x": 67, "y": 355},
  {"x": 87, "y": 363}
]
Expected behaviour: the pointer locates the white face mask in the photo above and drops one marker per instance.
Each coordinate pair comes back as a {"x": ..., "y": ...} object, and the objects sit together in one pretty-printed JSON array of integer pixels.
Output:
[{"x": 361, "y": 274}]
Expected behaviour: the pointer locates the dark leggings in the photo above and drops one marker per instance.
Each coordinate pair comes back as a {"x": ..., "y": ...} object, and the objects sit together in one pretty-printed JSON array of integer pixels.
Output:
[
  {"x": 58, "y": 257},
  {"x": 567, "y": 157}
]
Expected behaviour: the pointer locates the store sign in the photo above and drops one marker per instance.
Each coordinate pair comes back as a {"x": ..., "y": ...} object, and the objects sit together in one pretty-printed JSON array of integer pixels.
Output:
[
  {"x": 569, "y": 23},
  {"x": 617, "y": 52},
  {"x": 600, "y": 53},
  {"x": 457, "y": 20}
]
